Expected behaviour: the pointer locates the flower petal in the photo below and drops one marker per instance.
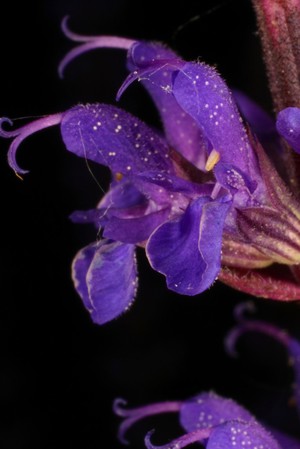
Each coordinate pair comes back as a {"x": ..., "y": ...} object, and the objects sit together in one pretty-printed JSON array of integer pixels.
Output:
[
  {"x": 134, "y": 229},
  {"x": 239, "y": 434},
  {"x": 154, "y": 65},
  {"x": 112, "y": 137},
  {"x": 187, "y": 249},
  {"x": 288, "y": 126},
  {"x": 105, "y": 277},
  {"x": 262, "y": 124},
  {"x": 122, "y": 195},
  {"x": 230, "y": 435},
  {"x": 202, "y": 93},
  {"x": 209, "y": 410}
]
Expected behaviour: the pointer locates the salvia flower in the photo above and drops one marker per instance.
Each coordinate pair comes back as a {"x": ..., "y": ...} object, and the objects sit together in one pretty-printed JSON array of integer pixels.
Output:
[
  {"x": 212, "y": 420},
  {"x": 216, "y": 421},
  {"x": 204, "y": 200}
]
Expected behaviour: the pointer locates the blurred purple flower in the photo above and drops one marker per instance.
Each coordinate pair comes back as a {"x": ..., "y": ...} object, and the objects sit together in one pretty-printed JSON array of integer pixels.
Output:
[
  {"x": 209, "y": 419},
  {"x": 291, "y": 344},
  {"x": 218, "y": 422}
]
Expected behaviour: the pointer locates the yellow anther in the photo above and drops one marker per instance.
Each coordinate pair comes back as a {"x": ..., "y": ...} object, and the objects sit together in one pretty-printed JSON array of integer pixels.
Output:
[
  {"x": 118, "y": 176},
  {"x": 19, "y": 176},
  {"x": 212, "y": 160}
]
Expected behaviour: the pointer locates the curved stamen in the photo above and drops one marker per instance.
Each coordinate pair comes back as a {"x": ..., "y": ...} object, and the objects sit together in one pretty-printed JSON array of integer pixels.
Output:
[
  {"x": 74, "y": 36},
  {"x": 241, "y": 309},
  {"x": 8, "y": 134},
  {"x": 254, "y": 326},
  {"x": 291, "y": 345},
  {"x": 147, "y": 72},
  {"x": 21, "y": 133},
  {"x": 183, "y": 441},
  {"x": 90, "y": 43},
  {"x": 136, "y": 414}
]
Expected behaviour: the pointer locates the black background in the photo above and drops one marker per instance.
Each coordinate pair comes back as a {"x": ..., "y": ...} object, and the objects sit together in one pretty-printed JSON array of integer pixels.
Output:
[{"x": 59, "y": 373}]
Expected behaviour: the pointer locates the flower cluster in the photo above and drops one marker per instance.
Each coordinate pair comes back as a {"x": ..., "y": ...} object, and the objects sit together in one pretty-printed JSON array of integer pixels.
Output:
[
  {"x": 214, "y": 194},
  {"x": 205, "y": 200},
  {"x": 215, "y": 421}
]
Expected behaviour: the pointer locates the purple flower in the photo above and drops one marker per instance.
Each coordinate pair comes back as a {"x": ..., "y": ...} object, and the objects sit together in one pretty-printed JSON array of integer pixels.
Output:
[
  {"x": 216, "y": 421},
  {"x": 203, "y": 195},
  {"x": 210, "y": 419}
]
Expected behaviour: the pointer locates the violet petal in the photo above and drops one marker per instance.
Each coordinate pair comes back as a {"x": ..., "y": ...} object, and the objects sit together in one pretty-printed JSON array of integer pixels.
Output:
[
  {"x": 202, "y": 93},
  {"x": 208, "y": 410},
  {"x": 112, "y": 137},
  {"x": 181, "y": 130},
  {"x": 187, "y": 249},
  {"x": 288, "y": 126},
  {"x": 135, "y": 229},
  {"x": 105, "y": 277},
  {"x": 239, "y": 434},
  {"x": 260, "y": 121}
]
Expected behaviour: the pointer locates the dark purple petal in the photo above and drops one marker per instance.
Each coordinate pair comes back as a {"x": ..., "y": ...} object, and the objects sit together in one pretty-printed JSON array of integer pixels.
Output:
[
  {"x": 154, "y": 65},
  {"x": 261, "y": 123},
  {"x": 234, "y": 179},
  {"x": 240, "y": 435},
  {"x": 112, "y": 137},
  {"x": 105, "y": 277},
  {"x": 86, "y": 216},
  {"x": 288, "y": 126},
  {"x": 123, "y": 195},
  {"x": 187, "y": 249},
  {"x": 134, "y": 229},
  {"x": 142, "y": 54},
  {"x": 208, "y": 410},
  {"x": 202, "y": 93},
  {"x": 81, "y": 264},
  {"x": 129, "y": 216},
  {"x": 162, "y": 187}
]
